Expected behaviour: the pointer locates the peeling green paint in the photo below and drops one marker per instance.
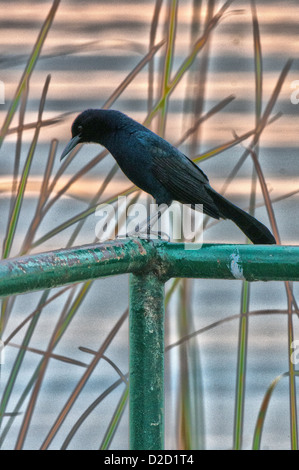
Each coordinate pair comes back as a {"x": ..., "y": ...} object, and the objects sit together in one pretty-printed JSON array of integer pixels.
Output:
[{"x": 235, "y": 265}]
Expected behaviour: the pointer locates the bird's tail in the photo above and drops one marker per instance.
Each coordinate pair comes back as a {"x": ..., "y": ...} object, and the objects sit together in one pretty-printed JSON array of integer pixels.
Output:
[{"x": 253, "y": 229}]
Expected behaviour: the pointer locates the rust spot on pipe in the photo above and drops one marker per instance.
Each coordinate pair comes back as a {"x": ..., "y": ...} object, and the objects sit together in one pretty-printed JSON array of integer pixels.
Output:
[
  {"x": 21, "y": 268},
  {"x": 141, "y": 248}
]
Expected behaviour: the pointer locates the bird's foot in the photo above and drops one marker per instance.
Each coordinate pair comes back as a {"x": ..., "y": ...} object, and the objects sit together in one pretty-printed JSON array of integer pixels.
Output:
[
  {"x": 145, "y": 235},
  {"x": 161, "y": 235}
]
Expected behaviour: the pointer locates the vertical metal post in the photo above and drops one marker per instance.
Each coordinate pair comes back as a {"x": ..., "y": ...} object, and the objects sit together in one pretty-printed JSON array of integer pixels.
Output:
[{"x": 146, "y": 337}]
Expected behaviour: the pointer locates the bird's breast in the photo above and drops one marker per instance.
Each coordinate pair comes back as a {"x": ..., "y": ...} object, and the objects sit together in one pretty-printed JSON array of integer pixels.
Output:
[{"x": 134, "y": 161}]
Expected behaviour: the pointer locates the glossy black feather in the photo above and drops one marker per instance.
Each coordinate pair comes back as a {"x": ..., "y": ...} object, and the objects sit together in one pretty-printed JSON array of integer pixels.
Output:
[{"x": 158, "y": 168}]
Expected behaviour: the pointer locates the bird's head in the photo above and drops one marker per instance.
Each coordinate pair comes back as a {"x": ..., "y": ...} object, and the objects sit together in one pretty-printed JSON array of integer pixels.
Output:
[{"x": 93, "y": 125}]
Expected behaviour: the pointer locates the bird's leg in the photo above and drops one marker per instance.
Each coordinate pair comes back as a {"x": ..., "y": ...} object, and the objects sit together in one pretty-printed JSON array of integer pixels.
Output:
[{"x": 144, "y": 228}]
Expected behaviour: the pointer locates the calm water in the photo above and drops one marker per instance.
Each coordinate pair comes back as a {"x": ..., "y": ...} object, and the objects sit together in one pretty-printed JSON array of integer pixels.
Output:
[{"x": 91, "y": 48}]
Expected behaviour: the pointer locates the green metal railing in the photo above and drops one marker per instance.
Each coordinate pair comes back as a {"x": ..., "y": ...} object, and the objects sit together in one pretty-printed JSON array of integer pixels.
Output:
[{"x": 150, "y": 264}]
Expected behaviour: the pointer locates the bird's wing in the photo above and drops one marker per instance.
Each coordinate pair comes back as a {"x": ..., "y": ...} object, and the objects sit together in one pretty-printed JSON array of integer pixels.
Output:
[{"x": 182, "y": 178}]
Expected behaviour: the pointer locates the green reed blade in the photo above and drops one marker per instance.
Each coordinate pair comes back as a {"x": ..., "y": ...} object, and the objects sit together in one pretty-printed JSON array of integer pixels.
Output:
[
  {"x": 191, "y": 423},
  {"x": 257, "y": 62},
  {"x": 241, "y": 370},
  {"x": 153, "y": 32},
  {"x": 29, "y": 69},
  {"x": 18, "y": 146},
  {"x": 19, "y": 359},
  {"x": 44, "y": 194},
  {"x": 21, "y": 190},
  {"x": 113, "y": 425},
  {"x": 172, "y": 20},
  {"x": 200, "y": 43},
  {"x": 257, "y": 437}
]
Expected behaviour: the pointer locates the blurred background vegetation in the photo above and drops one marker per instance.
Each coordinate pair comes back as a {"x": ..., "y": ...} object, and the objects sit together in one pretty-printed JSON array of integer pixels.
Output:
[{"x": 214, "y": 78}]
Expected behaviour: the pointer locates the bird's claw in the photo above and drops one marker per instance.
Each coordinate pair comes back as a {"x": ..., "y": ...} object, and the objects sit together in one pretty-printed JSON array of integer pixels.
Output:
[{"x": 145, "y": 235}]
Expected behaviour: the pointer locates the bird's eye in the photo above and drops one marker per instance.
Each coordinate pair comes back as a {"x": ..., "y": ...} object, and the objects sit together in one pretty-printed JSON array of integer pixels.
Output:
[{"x": 80, "y": 129}]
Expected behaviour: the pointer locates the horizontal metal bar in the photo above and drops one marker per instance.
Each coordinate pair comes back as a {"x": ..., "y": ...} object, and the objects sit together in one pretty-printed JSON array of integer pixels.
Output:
[
  {"x": 68, "y": 266},
  {"x": 247, "y": 262},
  {"x": 57, "y": 268}
]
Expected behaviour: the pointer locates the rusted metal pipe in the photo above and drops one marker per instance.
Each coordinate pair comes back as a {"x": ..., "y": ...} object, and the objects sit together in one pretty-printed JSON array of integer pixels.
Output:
[{"x": 60, "y": 267}]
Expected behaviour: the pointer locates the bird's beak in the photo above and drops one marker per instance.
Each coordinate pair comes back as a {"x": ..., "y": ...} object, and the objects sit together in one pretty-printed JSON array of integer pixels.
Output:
[{"x": 70, "y": 146}]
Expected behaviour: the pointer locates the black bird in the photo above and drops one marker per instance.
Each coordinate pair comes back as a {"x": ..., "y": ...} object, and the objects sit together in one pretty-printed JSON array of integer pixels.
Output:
[{"x": 158, "y": 168}]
